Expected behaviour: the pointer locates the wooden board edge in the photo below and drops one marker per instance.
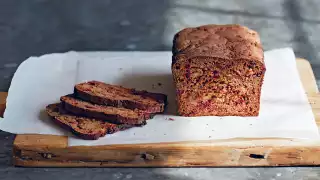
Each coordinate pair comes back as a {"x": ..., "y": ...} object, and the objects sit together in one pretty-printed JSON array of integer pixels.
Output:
[{"x": 183, "y": 157}]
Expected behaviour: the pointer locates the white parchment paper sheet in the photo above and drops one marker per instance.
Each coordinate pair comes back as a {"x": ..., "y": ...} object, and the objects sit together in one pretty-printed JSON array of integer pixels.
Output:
[{"x": 285, "y": 111}]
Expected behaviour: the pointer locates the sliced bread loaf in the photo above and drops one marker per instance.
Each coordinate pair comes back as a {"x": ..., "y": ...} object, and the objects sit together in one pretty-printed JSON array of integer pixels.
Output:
[
  {"x": 85, "y": 128},
  {"x": 111, "y": 114},
  {"x": 118, "y": 96}
]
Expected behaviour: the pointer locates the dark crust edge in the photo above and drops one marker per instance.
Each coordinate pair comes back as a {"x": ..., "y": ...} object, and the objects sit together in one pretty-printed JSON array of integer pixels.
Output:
[
  {"x": 160, "y": 98},
  {"x": 115, "y": 119}
]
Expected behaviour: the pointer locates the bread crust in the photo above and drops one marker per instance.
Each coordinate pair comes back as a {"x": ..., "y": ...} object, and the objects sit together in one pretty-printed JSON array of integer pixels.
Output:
[{"x": 230, "y": 42}]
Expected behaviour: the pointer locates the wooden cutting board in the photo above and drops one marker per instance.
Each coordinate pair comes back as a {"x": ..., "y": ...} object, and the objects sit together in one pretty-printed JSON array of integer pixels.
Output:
[{"x": 52, "y": 151}]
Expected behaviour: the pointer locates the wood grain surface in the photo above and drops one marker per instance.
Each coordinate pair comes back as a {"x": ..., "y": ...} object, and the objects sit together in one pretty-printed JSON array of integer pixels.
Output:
[{"x": 52, "y": 151}]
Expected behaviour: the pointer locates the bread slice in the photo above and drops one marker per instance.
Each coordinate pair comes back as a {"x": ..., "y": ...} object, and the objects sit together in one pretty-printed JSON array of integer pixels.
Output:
[
  {"x": 85, "y": 128},
  {"x": 118, "y": 96},
  {"x": 108, "y": 113},
  {"x": 218, "y": 70}
]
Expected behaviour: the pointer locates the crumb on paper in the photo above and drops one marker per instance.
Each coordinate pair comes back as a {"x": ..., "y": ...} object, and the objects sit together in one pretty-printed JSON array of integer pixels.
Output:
[
  {"x": 159, "y": 84},
  {"x": 207, "y": 124},
  {"x": 250, "y": 124},
  {"x": 120, "y": 69},
  {"x": 171, "y": 119},
  {"x": 164, "y": 134},
  {"x": 209, "y": 136}
]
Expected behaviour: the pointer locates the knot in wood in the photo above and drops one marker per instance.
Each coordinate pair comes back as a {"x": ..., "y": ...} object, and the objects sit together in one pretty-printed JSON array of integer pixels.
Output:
[
  {"x": 47, "y": 155},
  {"x": 147, "y": 156}
]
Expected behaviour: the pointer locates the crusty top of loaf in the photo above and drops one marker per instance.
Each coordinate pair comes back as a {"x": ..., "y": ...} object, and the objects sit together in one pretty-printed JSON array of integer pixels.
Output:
[{"x": 218, "y": 41}]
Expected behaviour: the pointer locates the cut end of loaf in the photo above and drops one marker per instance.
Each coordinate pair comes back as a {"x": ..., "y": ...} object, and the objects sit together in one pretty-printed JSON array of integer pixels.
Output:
[
  {"x": 215, "y": 87},
  {"x": 206, "y": 103}
]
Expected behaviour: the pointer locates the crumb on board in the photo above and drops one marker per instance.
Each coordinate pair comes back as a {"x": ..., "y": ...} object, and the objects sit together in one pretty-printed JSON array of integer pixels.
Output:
[
  {"x": 159, "y": 84},
  {"x": 120, "y": 69},
  {"x": 153, "y": 86}
]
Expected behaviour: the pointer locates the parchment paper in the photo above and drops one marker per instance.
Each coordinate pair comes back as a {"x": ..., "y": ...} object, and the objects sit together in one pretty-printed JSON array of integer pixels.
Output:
[{"x": 285, "y": 111}]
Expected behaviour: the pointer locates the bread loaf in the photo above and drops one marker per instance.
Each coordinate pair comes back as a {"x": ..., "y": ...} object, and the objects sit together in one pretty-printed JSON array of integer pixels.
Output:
[{"x": 218, "y": 70}]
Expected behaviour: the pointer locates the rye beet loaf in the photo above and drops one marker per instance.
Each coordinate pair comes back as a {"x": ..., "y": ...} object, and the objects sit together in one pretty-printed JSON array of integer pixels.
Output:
[
  {"x": 85, "y": 128},
  {"x": 111, "y": 114},
  {"x": 118, "y": 96},
  {"x": 218, "y": 70}
]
